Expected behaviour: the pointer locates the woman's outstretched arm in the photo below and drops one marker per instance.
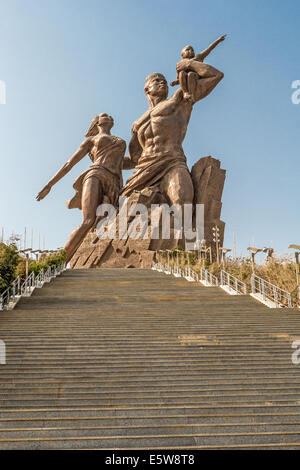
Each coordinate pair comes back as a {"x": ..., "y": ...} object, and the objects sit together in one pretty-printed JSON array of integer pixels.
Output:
[
  {"x": 84, "y": 148},
  {"x": 209, "y": 77}
]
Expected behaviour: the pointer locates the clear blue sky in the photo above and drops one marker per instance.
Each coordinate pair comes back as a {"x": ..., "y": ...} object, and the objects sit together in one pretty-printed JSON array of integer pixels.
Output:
[{"x": 64, "y": 61}]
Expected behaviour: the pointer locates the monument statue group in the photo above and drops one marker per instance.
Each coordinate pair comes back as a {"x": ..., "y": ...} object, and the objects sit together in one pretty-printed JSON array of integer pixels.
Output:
[{"x": 161, "y": 174}]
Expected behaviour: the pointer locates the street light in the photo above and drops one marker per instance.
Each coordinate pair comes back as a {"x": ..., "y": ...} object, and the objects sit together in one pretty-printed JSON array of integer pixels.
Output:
[
  {"x": 26, "y": 252},
  {"x": 224, "y": 252},
  {"x": 269, "y": 252},
  {"x": 36, "y": 252},
  {"x": 297, "y": 254},
  {"x": 216, "y": 239},
  {"x": 254, "y": 252}
]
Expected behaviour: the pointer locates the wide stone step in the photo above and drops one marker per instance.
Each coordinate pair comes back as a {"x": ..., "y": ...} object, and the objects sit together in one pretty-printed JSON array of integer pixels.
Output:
[
  {"x": 60, "y": 393},
  {"x": 129, "y": 389},
  {"x": 148, "y": 441},
  {"x": 202, "y": 420},
  {"x": 126, "y": 359},
  {"x": 74, "y": 430},
  {"x": 63, "y": 401}
]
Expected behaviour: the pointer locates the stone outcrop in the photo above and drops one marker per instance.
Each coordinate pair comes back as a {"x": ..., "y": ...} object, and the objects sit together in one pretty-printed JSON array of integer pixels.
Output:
[{"x": 208, "y": 180}]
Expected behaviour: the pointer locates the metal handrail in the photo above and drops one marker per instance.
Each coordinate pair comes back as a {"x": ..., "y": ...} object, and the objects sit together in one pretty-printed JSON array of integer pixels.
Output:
[
  {"x": 176, "y": 270},
  {"x": 187, "y": 272},
  {"x": 40, "y": 279},
  {"x": 5, "y": 299},
  {"x": 295, "y": 293},
  {"x": 233, "y": 283},
  {"x": 28, "y": 284},
  {"x": 48, "y": 274},
  {"x": 268, "y": 291},
  {"x": 209, "y": 278},
  {"x": 16, "y": 288},
  {"x": 8, "y": 298},
  {"x": 193, "y": 275},
  {"x": 168, "y": 269}
]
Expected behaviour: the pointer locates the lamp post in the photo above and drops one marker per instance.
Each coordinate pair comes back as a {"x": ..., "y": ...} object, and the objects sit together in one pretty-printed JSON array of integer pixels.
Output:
[
  {"x": 216, "y": 239},
  {"x": 269, "y": 252},
  {"x": 254, "y": 252},
  {"x": 224, "y": 252},
  {"x": 297, "y": 261},
  {"x": 26, "y": 252},
  {"x": 36, "y": 253}
]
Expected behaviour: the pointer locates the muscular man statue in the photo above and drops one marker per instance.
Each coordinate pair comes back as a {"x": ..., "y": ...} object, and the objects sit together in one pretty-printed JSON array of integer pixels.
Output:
[{"x": 156, "y": 143}]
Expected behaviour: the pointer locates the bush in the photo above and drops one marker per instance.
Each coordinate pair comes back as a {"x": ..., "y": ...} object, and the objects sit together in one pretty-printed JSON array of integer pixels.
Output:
[
  {"x": 9, "y": 260},
  {"x": 13, "y": 265}
]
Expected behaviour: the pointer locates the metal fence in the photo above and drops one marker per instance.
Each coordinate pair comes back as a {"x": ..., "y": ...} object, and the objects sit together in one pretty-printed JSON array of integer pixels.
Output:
[
  {"x": 11, "y": 295},
  {"x": 263, "y": 290},
  {"x": 269, "y": 292},
  {"x": 208, "y": 279},
  {"x": 232, "y": 283}
]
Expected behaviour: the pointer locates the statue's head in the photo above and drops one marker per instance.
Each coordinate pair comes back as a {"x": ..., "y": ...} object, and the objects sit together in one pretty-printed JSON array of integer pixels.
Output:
[
  {"x": 102, "y": 120},
  {"x": 187, "y": 52},
  {"x": 105, "y": 120},
  {"x": 156, "y": 85}
]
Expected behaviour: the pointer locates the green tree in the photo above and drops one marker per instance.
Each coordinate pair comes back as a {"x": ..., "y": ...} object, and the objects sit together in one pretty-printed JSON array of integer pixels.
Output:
[{"x": 9, "y": 260}]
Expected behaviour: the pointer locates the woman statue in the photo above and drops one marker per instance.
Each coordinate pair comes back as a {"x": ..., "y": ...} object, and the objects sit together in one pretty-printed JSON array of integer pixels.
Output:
[
  {"x": 156, "y": 144},
  {"x": 101, "y": 183}
]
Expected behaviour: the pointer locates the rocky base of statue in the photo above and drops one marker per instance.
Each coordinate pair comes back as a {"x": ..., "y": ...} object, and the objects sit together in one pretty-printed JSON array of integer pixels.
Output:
[{"x": 208, "y": 179}]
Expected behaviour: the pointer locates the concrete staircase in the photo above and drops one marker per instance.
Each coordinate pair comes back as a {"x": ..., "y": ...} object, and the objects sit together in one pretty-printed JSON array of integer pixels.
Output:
[{"x": 135, "y": 359}]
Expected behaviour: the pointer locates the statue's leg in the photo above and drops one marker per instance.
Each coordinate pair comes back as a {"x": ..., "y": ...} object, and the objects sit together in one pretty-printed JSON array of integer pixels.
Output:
[
  {"x": 183, "y": 81},
  {"x": 192, "y": 79},
  {"x": 90, "y": 201},
  {"x": 177, "y": 184}
]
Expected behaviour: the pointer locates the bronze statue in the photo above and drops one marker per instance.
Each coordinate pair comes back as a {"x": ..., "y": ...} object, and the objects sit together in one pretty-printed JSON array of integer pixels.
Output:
[
  {"x": 187, "y": 78},
  {"x": 101, "y": 183},
  {"x": 156, "y": 144}
]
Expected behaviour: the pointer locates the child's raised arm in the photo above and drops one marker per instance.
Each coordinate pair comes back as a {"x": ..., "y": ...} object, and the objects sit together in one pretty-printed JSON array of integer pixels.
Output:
[{"x": 207, "y": 51}]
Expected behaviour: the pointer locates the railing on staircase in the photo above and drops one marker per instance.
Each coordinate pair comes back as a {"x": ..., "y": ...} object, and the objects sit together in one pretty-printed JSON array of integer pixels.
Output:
[
  {"x": 232, "y": 283},
  {"x": 262, "y": 290},
  {"x": 188, "y": 273},
  {"x": 11, "y": 295},
  {"x": 28, "y": 285},
  {"x": 208, "y": 279},
  {"x": 269, "y": 293}
]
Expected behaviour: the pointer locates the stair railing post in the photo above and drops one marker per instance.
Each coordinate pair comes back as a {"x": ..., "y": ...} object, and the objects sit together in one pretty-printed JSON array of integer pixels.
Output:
[
  {"x": 252, "y": 284},
  {"x": 289, "y": 301},
  {"x": 263, "y": 289},
  {"x": 14, "y": 292}
]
